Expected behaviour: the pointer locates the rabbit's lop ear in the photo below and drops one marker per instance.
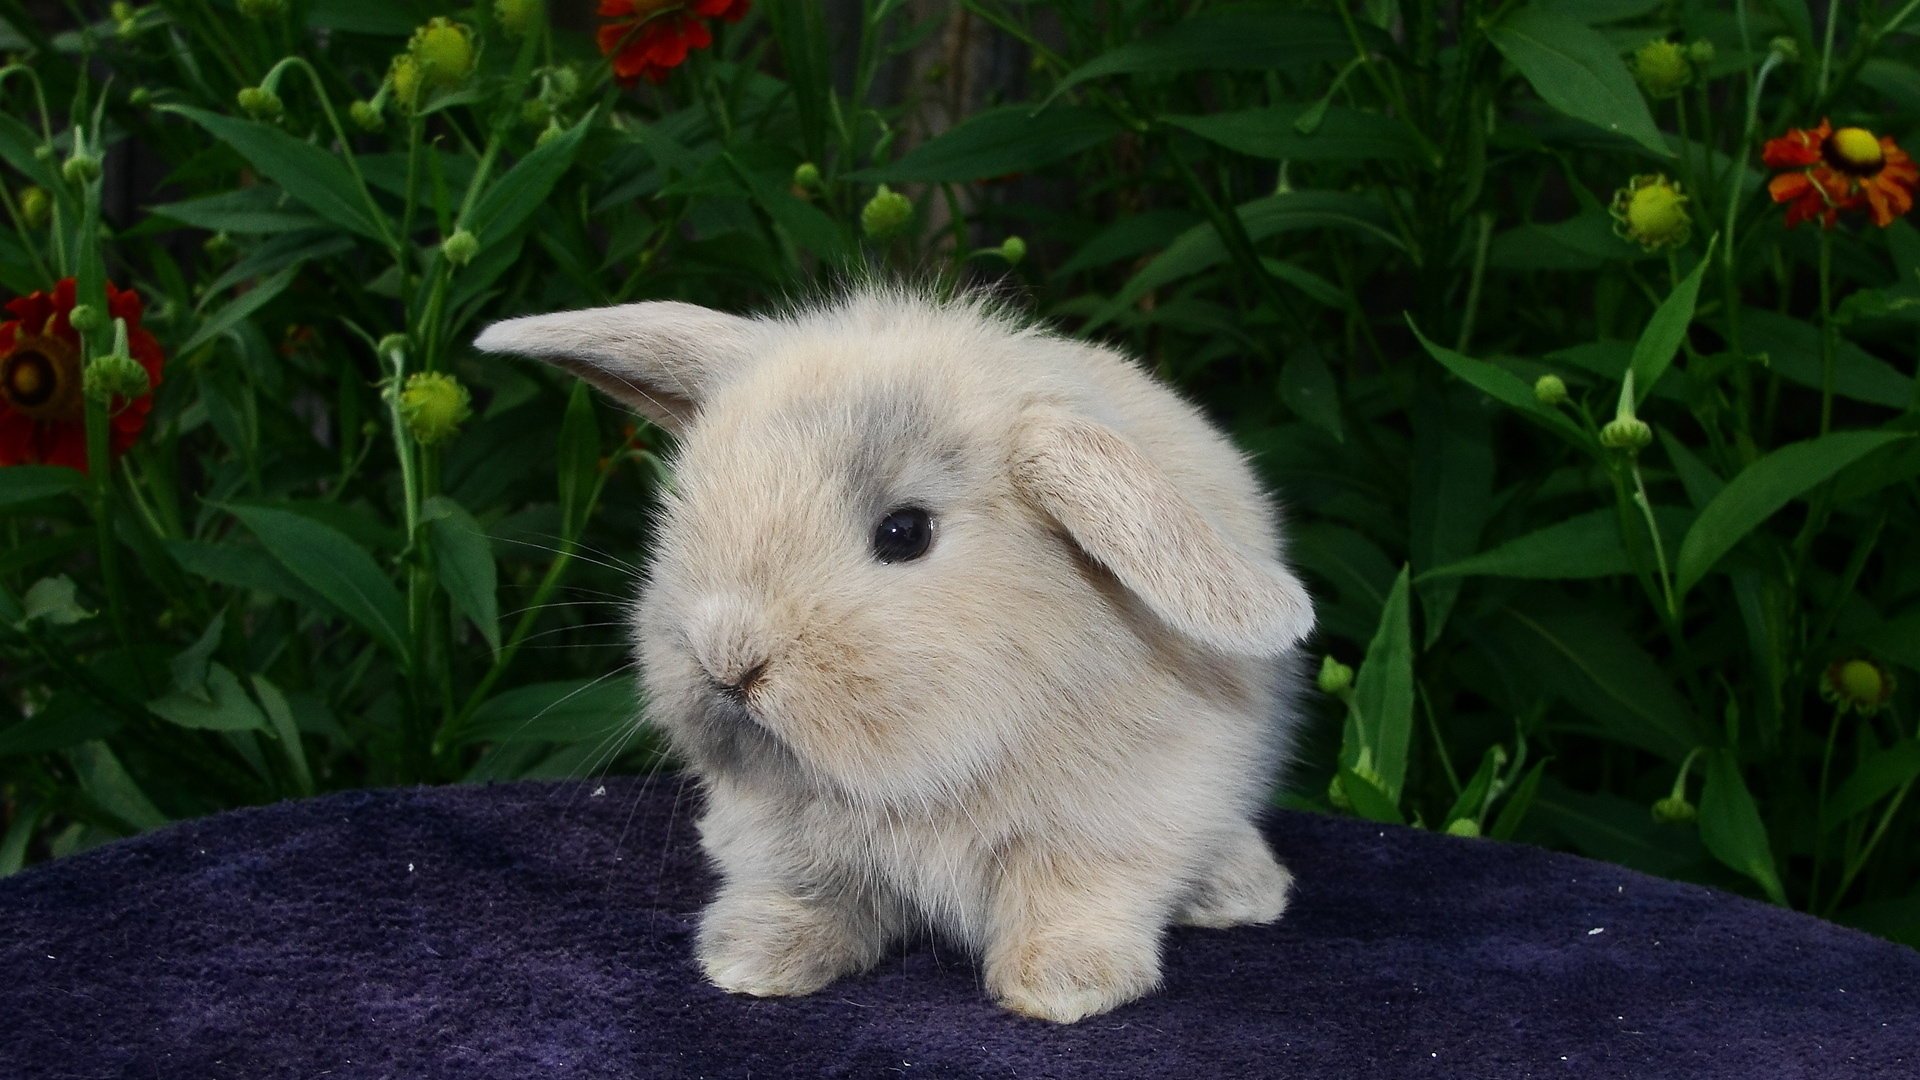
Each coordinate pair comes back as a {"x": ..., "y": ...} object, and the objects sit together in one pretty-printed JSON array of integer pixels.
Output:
[
  {"x": 658, "y": 358},
  {"x": 1125, "y": 513}
]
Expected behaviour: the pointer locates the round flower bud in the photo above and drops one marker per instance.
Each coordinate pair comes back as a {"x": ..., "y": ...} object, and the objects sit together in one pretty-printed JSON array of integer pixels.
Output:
[
  {"x": 43, "y": 153},
  {"x": 444, "y": 50},
  {"x": 404, "y": 76},
  {"x": 518, "y": 17},
  {"x": 1466, "y": 828},
  {"x": 886, "y": 213},
  {"x": 461, "y": 247},
  {"x": 261, "y": 9},
  {"x": 1674, "y": 810},
  {"x": 87, "y": 319},
  {"x": 1701, "y": 53},
  {"x": 391, "y": 345},
  {"x": 1550, "y": 390},
  {"x": 564, "y": 84},
  {"x": 1784, "y": 47},
  {"x": 140, "y": 98},
  {"x": 1661, "y": 68},
  {"x": 80, "y": 168},
  {"x": 1337, "y": 794},
  {"x": 35, "y": 207},
  {"x": 366, "y": 116},
  {"x": 126, "y": 21},
  {"x": 260, "y": 103},
  {"x": 534, "y": 112},
  {"x": 1652, "y": 212},
  {"x": 1857, "y": 685},
  {"x": 217, "y": 245},
  {"x": 1629, "y": 433},
  {"x": 806, "y": 176},
  {"x": 117, "y": 374},
  {"x": 434, "y": 405},
  {"x": 1334, "y": 676},
  {"x": 1013, "y": 249}
]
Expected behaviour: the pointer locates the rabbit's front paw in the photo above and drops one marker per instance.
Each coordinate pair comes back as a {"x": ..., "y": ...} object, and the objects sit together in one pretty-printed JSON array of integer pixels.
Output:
[
  {"x": 1064, "y": 980},
  {"x": 769, "y": 945},
  {"x": 1245, "y": 886}
]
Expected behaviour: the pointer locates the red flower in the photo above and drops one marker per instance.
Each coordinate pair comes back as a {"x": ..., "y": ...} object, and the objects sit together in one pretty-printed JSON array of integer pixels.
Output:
[
  {"x": 1849, "y": 169},
  {"x": 42, "y": 407},
  {"x": 649, "y": 38}
]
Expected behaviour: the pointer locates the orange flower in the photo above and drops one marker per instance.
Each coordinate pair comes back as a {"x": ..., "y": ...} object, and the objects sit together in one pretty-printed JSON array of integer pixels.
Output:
[
  {"x": 42, "y": 403},
  {"x": 1848, "y": 169},
  {"x": 649, "y": 38}
]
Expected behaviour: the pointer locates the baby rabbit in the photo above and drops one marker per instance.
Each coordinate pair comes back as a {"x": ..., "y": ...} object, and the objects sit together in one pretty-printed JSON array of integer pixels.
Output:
[{"x": 959, "y": 623}]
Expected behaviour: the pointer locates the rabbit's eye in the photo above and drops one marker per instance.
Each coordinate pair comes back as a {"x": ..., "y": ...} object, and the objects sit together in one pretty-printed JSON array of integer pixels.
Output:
[{"x": 902, "y": 535}]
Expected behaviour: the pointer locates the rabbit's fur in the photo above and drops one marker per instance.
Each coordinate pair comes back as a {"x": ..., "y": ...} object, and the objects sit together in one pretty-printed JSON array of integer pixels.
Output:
[{"x": 1047, "y": 737}]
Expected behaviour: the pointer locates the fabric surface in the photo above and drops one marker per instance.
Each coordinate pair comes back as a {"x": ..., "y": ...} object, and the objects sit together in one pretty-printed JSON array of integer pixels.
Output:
[{"x": 544, "y": 930}]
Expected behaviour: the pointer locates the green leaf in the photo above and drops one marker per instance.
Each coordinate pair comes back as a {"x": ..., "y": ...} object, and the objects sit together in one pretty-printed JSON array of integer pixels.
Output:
[
  {"x": 1730, "y": 825},
  {"x": 260, "y": 295},
  {"x": 244, "y": 567},
  {"x": 525, "y": 187},
  {"x": 1369, "y": 801},
  {"x": 463, "y": 559},
  {"x": 27, "y": 483},
  {"x": 1793, "y": 351},
  {"x": 310, "y": 174},
  {"x": 1761, "y": 489},
  {"x": 17, "y": 144},
  {"x": 1452, "y": 493},
  {"x": 1343, "y": 134},
  {"x": 1473, "y": 797},
  {"x": 1503, "y": 386},
  {"x": 579, "y": 460},
  {"x": 327, "y": 561},
  {"x": 1309, "y": 390},
  {"x": 1667, "y": 330},
  {"x": 1008, "y": 139},
  {"x": 569, "y": 711},
  {"x": 1586, "y": 546},
  {"x": 1590, "y": 662},
  {"x": 107, "y": 783},
  {"x": 1585, "y": 241},
  {"x": 280, "y": 716},
  {"x": 1383, "y": 690},
  {"x": 1608, "y": 827},
  {"x": 1131, "y": 235},
  {"x": 1881, "y": 774},
  {"x": 224, "y": 706},
  {"x": 1254, "y": 38},
  {"x": 54, "y": 600},
  {"x": 262, "y": 209},
  {"x": 189, "y": 668},
  {"x": 1514, "y": 811},
  {"x": 1576, "y": 71}
]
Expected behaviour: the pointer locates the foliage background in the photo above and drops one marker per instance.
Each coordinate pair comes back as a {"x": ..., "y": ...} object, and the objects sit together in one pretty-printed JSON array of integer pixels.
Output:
[{"x": 1357, "y": 232}]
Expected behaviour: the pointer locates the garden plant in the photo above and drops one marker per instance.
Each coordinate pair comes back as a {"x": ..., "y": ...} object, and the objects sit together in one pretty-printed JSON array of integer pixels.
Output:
[{"x": 1579, "y": 337}]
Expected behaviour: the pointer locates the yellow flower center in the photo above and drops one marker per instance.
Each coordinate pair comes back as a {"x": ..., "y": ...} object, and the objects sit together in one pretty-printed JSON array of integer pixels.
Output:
[
  {"x": 1860, "y": 682},
  {"x": 1855, "y": 150},
  {"x": 40, "y": 377}
]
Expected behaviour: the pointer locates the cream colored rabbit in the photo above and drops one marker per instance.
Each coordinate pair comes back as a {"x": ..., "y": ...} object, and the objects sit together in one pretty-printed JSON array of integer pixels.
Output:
[{"x": 960, "y": 624}]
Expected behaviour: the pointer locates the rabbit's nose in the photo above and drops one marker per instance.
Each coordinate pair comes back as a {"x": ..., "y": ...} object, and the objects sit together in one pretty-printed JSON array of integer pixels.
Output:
[
  {"x": 729, "y": 641},
  {"x": 738, "y": 687}
]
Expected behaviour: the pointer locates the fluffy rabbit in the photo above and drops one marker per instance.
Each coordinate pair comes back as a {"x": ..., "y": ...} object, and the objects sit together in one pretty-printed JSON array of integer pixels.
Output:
[{"x": 961, "y": 624}]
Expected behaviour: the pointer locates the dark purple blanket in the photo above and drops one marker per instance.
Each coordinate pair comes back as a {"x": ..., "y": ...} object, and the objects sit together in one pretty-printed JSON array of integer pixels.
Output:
[{"x": 536, "y": 930}]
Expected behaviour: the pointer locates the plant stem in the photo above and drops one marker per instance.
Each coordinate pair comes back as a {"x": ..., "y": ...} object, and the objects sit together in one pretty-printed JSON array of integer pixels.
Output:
[
  {"x": 1828, "y": 331},
  {"x": 1659, "y": 546},
  {"x": 1859, "y": 862},
  {"x": 1820, "y": 826}
]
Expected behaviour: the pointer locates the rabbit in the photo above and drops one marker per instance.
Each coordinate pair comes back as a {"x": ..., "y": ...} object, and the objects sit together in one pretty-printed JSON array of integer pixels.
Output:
[{"x": 961, "y": 625}]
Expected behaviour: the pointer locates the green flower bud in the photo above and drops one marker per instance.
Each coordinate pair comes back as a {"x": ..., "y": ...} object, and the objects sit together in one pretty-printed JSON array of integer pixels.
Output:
[
  {"x": 391, "y": 345},
  {"x": 806, "y": 176},
  {"x": 434, "y": 405},
  {"x": 519, "y": 17},
  {"x": 261, "y": 9},
  {"x": 87, "y": 319},
  {"x": 1857, "y": 685},
  {"x": 1463, "y": 827},
  {"x": 217, "y": 245},
  {"x": 1674, "y": 810},
  {"x": 81, "y": 168},
  {"x": 260, "y": 103},
  {"x": 534, "y": 112},
  {"x": 35, "y": 207},
  {"x": 117, "y": 374},
  {"x": 1661, "y": 68},
  {"x": 1335, "y": 676},
  {"x": 1701, "y": 53},
  {"x": 461, "y": 247},
  {"x": 1013, "y": 249},
  {"x": 1787, "y": 49},
  {"x": 140, "y": 98},
  {"x": 886, "y": 213},
  {"x": 444, "y": 50},
  {"x": 563, "y": 83},
  {"x": 404, "y": 76},
  {"x": 1629, "y": 433},
  {"x": 1652, "y": 212},
  {"x": 1337, "y": 794},
  {"x": 1550, "y": 390},
  {"x": 553, "y": 131},
  {"x": 43, "y": 153},
  {"x": 366, "y": 116}
]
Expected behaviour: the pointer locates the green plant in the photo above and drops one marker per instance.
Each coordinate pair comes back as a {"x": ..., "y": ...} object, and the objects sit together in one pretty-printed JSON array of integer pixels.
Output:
[{"x": 1601, "y": 473}]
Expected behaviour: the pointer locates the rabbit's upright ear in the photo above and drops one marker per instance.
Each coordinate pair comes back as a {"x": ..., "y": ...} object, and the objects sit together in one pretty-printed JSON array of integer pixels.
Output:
[
  {"x": 658, "y": 358},
  {"x": 1124, "y": 512}
]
